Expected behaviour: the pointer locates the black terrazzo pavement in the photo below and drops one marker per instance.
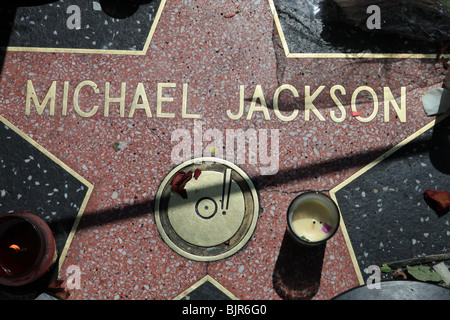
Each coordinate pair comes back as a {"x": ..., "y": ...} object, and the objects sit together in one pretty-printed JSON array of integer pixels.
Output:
[
  {"x": 30, "y": 180},
  {"x": 384, "y": 211},
  {"x": 320, "y": 26},
  {"x": 109, "y": 25}
]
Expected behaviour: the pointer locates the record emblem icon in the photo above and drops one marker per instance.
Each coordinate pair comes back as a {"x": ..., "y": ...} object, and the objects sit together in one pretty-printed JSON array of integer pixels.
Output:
[{"x": 214, "y": 216}]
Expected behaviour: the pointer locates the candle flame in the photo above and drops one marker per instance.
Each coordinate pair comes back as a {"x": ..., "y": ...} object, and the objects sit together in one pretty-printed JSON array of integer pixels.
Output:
[{"x": 16, "y": 248}]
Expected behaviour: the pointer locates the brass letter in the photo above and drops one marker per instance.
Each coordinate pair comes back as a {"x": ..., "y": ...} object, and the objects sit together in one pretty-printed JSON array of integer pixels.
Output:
[
  {"x": 375, "y": 103},
  {"x": 258, "y": 95},
  {"x": 140, "y": 93},
  {"x": 76, "y": 106},
  {"x": 65, "y": 98},
  {"x": 160, "y": 99},
  {"x": 241, "y": 105},
  {"x": 309, "y": 106},
  {"x": 389, "y": 98},
  {"x": 338, "y": 103},
  {"x": 120, "y": 100},
  {"x": 31, "y": 95},
  {"x": 275, "y": 102}
]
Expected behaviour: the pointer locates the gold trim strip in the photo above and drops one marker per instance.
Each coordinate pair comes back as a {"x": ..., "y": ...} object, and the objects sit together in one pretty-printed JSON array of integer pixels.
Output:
[
  {"x": 365, "y": 55},
  {"x": 69, "y": 170},
  {"x": 364, "y": 170},
  {"x": 347, "y": 241},
  {"x": 202, "y": 281},
  {"x": 96, "y": 51},
  {"x": 75, "y": 225},
  {"x": 70, "y": 50},
  {"x": 342, "y": 55},
  {"x": 280, "y": 30}
]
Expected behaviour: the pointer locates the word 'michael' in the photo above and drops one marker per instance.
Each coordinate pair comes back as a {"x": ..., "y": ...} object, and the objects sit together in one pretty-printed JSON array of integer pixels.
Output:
[{"x": 140, "y": 102}]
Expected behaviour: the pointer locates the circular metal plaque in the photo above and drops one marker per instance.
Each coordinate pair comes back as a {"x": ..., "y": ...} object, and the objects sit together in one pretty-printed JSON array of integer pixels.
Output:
[{"x": 215, "y": 215}]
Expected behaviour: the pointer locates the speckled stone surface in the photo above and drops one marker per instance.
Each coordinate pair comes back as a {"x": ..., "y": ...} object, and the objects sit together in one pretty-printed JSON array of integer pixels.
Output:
[
  {"x": 32, "y": 181},
  {"x": 384, "y": 210},
  {"x": 322, "y": 26},
  {"x": 52, "y": 24},
  {"x": 214, "y": 47}
]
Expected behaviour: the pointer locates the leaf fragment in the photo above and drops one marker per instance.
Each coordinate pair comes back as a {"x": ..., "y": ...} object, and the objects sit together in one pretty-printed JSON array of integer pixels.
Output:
[
  {"x": 119, "y": 146},
  {"x": 423, "y": 273},
  {"x": 386, "y": 269},
  {"x": 116, "y": 146}
]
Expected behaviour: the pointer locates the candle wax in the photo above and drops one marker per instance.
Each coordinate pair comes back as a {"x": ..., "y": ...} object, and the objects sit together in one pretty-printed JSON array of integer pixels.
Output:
[{"x": 312, "y": 220}]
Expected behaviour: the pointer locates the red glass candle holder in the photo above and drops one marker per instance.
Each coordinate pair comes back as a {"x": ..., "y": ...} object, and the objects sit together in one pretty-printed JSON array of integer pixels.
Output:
[{"x": 27, "y": 248}]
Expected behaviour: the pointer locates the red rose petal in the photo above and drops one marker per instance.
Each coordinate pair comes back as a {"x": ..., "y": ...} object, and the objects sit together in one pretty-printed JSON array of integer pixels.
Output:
[
  {"x": 176, "y": 180},
  {"x": 437, "y": 200},
  {"x": 197, "y": 173},
  {"x": 179, "y": 182}
]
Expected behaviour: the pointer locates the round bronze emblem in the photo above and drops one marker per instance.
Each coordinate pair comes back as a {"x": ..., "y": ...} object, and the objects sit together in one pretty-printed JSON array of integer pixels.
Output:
[{"x": 206, "y": 209}]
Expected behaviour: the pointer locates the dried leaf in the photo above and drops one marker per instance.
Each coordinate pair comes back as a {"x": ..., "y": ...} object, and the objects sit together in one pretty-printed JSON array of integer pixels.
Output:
[
  {"x": 231, "y": 15},
  {"x": 400, "y": 274},
  {"x": 423, "y": 273}
]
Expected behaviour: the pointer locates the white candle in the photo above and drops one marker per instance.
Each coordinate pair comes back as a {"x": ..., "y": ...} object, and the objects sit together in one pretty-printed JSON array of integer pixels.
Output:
[{"x": 314, "y": 217}]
